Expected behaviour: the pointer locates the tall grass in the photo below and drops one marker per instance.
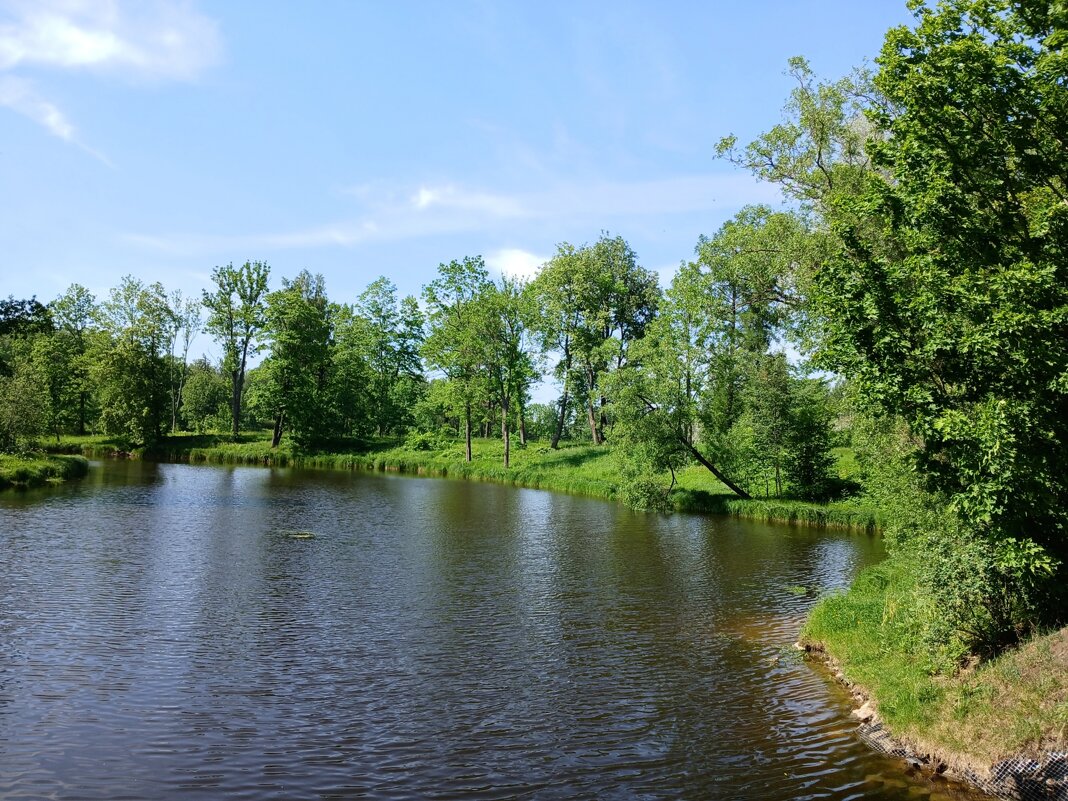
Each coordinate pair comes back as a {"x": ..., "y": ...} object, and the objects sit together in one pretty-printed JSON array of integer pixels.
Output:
[
  {"x": 1016, "y": 703},
  {"x": 38, "y": 469}
]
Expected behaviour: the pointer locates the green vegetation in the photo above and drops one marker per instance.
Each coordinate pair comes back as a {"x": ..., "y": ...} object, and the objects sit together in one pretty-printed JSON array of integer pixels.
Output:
[
  {"x": 38, "y": 469},
  {"x": 1016, "y": 703}
]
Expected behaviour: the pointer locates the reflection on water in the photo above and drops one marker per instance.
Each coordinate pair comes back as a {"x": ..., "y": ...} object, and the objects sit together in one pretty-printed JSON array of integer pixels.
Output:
[{"x": 170, "y": 631}]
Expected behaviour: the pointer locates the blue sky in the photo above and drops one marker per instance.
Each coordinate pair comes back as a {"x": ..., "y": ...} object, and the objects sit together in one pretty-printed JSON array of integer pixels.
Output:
[{"x": 360, "y": 139}]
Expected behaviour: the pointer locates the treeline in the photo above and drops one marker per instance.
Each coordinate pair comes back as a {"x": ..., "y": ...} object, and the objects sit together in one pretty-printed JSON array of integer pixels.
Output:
[{"x": 459, "y": 361}]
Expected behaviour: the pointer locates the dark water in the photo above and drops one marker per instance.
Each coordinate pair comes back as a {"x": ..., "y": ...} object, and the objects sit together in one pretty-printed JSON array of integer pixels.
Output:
[{"x": 169, "y": 631}]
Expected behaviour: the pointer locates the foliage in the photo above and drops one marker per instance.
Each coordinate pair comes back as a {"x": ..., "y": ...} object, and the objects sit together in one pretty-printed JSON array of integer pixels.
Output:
[
  {"x": 236, "y": 318},
  {"x": 589, "y": 305},
  {"x": 300, "y": 333}
]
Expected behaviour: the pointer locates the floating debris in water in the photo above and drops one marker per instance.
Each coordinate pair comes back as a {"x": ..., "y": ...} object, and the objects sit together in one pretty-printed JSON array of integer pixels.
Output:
[{"x": 297, "y": 534}]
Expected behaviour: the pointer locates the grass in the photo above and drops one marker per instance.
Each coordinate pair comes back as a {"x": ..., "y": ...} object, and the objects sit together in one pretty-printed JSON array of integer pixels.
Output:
[
  {"x": 574, "y": 468},
  {"x": 1014, "y": 704},
  {"x": 38, "y": 469}
]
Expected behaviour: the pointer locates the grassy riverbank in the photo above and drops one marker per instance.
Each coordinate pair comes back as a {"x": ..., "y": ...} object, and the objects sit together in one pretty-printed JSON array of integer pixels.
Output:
[
  {"x": 1014, "y": 704},
  {"x": 38, "y": 469},
  {"x": 578, "y": 469}
]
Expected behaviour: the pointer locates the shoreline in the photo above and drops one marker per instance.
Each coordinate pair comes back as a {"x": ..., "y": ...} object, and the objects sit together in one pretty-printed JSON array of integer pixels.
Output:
[
  {"x": 578, "y": 470},
  {"x": 1000, "y": 727},
  {"x": 20, "y": 473}
]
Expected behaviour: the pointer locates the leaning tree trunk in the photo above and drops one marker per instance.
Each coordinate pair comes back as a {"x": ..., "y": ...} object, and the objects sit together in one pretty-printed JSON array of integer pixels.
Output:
[{"x": 741, "y": 493}]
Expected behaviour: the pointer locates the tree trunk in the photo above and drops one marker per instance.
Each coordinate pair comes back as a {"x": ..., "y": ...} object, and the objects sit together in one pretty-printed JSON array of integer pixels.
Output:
[
  {"x": 592, "y": 418},
  {"x": 235, "y": 403},
  {"x": 741, "y": 493},
  {"x": 81, "y": 412},
  {"x": 560, "y": 421},
  {"x": 467, "y": 429},
  {"x": 506, "y": 434},
  {"x": 522, "y": 425},
  {"x": 278, "y": 424}
]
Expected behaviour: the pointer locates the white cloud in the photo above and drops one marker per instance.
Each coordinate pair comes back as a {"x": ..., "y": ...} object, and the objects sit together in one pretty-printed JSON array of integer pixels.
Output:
[
  {"x": 515, "y": 263},
  {"x": 144, "y": 40},
  {"x": 457, "y": 199}
]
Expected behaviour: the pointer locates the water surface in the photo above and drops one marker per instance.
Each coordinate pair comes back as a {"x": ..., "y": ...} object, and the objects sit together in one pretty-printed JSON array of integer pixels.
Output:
[{"x": 169, "y": 631}]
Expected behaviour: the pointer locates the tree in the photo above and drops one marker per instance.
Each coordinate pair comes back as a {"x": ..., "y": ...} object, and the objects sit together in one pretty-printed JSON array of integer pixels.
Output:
[
  {"x": 665, "y": 395},
  {"x": 127, "y": 360},
  {"x": 185, "y": 324},
  {"x": 391, "y": 337},
  {"x": 454, "y": 343},
  {"x": 236, "y": 316},
  {"x": 952, "y": 310},
  {"x": 506, "y": 357},
  {"x": 300, "y": 332},
  {"x": 206, "y": 397},
  {"x": 74, "y": 312},
  {"x": 943, "y": 292},
  {"x": 594, "y": 301}
]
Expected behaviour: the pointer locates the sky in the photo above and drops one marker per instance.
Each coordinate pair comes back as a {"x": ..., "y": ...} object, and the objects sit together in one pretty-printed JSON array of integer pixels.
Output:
[{"x": 357, "y": 139}]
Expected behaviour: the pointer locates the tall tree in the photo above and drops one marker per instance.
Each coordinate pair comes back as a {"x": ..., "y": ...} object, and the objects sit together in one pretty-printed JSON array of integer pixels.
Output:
[
  {"x": 300, "y": 330},
  {"x": 74, "y": 312},
  {"x": 128, "y": 365},
  {"x": 236, "y": 317},
  {"x": 593, "y": 301},
  {"x": 454, "y": 343},
  {"x": 185, "y": 324}
]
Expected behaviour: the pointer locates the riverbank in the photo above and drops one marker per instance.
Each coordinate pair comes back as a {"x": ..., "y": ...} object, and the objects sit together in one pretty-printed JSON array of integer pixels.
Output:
[
  {"x": 39, "y": 469},
  {"x": 577, "y": 469},
  {"x": 999, "y": 726}
]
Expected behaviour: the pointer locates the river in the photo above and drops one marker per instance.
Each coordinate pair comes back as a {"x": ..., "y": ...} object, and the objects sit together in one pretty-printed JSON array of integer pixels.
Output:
[{"x": 169, "y": 631}]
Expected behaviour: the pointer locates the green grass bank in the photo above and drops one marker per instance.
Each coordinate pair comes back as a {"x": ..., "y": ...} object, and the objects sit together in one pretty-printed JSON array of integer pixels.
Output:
[
  {"x": 577, "y": 469},
  {"x": 36, "y": 470},
  {"x": 1015, "y": 704}
]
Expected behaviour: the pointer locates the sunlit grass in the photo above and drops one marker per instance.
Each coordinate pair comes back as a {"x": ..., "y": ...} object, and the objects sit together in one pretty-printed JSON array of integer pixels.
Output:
[
  {"x": 37, "y": 469},
  {"x": 1016, "y": 703}
]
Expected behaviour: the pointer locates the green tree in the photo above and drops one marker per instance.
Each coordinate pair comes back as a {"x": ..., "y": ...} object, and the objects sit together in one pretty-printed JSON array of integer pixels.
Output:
[
  {"x": 300, "y": 334},
  {"x": 236, "y": 318},
  {"x": 185, "y": 322},
  {"x": 128, "y": 368},
  {"x": 592, "y": 303},
  {"x": 205, "y": 398},
  {"x": 454, "y": 344},
  {"x": 74, "y": 312},
  {"x": 944, "y": 296},
  {"x": 391, "y": 339}
]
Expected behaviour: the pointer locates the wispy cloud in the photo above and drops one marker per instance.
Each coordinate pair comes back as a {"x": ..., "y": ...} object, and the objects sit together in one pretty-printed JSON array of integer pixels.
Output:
[
  {"x": 427, "y": 210},
  {"x": 459, "y": 199},
  {"x": 20, "y": 96},
  {"x": 136, "y": 41}
]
